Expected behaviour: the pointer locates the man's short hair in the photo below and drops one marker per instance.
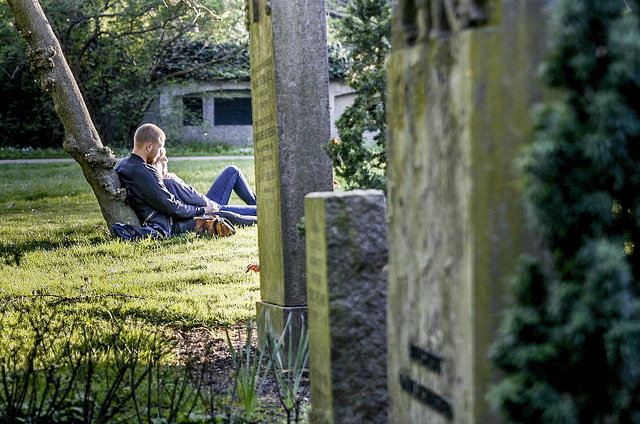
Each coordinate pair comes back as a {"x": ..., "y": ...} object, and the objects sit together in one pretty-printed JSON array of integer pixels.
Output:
[{"x": 147, "y": 133}]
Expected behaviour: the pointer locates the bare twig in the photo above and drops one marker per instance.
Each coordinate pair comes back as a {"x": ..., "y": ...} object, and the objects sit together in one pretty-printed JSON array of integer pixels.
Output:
[
  {"x": 199, "y": 66},
  {"x": 195, "y": 6},
  {"x": 61, "y": 299},
  {"x": 335, "y": 14}
]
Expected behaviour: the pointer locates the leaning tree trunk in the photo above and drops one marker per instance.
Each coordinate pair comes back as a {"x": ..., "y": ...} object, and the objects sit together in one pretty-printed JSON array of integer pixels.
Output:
[{"x": 81, "y": 141}]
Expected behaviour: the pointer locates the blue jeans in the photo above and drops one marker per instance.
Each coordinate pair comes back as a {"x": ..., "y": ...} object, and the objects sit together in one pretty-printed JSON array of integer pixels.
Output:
[{"x": 232, "y": 179}]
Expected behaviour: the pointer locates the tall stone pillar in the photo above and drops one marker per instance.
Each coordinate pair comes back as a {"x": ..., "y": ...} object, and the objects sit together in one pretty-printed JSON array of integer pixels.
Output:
[
  {"x": 290, "y": 101},
  {"x": 461, "y": 85}
]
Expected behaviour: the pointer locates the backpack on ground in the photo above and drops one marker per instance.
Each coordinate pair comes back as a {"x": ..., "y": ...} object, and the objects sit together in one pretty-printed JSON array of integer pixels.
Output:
[{"x": 133, "y": 232}]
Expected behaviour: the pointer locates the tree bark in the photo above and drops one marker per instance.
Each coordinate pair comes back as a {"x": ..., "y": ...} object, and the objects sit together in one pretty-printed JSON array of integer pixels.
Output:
[{"x": 81, "y": 141}]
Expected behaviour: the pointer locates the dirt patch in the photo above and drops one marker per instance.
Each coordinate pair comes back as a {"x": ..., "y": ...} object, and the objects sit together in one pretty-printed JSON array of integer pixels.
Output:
[{"x": 209, "y": 350}]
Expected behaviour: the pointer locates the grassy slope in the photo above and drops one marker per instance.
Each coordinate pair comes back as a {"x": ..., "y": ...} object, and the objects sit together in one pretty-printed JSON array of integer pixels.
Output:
[{"x": 53, "y": 243}]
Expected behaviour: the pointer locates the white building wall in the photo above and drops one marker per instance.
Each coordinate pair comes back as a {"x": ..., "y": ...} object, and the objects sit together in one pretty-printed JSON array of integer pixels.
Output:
[{"x": 167, "y": 111}]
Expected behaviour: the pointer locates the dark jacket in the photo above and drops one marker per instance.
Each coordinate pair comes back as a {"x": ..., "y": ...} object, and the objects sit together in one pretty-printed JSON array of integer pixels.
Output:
[
  {"x": 185, "y": 192},
  {"x": 151, "y": 200}
]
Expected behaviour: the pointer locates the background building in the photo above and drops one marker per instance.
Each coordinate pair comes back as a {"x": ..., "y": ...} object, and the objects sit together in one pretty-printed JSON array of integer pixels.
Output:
[{"x": 220, "y": 111}]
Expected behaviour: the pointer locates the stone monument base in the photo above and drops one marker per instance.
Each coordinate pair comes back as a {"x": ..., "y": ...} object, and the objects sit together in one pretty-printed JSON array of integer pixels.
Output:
[{"x": 279, "y": 315}]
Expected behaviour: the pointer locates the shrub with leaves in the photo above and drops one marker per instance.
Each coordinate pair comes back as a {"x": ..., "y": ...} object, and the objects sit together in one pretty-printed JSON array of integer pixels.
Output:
[
  {"x": 365, "y": 33},
  {"x": 569, "y": 346}
]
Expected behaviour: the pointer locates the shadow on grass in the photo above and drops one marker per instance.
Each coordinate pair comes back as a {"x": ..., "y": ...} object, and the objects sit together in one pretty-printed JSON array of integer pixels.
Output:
[
  {"x": 11, "y": 253},
  {"x": 110, "y": 308},
  {"x": 164, "y": 317}
]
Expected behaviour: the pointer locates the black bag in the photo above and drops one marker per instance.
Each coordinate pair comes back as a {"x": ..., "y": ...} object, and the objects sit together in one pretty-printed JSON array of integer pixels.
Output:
[{"x": 132, "y": 232}]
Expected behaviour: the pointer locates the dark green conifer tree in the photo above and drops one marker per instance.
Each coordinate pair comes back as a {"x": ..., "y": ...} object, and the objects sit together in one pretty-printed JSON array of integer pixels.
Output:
[
  {"x": 569, "y": 345},
  {"x": 365, "y": 32}
]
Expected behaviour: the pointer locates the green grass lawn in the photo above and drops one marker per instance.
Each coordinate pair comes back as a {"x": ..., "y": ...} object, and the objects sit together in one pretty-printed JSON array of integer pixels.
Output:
[
  {"x": 54, "y": 247},
  {"x": 175, "y": 148},
  {"x": 94, "y": 329},
  {"x": 89, "y": 325}
]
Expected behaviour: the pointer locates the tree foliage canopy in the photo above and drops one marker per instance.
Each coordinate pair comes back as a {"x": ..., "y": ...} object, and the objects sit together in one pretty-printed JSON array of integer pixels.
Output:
[
  {"x": 119, "y": 52},
  {"x": 569, "y": 345},
  {"x": 364, "y": 31}
]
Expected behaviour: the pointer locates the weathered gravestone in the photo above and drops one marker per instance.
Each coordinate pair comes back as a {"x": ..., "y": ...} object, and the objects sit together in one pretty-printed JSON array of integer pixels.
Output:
[
  {"x": 346, "y": 284},
  {"x": 461, "y": 85},
  {"x": 290, "y": 102}
]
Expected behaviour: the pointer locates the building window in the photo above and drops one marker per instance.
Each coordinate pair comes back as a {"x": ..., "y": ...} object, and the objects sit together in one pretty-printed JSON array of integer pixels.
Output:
[
  {"x": 192, "y": 111},
  {"x": 233, "y": 111}
]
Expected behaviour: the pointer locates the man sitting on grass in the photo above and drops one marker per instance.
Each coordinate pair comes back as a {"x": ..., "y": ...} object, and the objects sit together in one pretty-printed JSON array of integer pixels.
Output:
[{"x": 156, "y": 205}]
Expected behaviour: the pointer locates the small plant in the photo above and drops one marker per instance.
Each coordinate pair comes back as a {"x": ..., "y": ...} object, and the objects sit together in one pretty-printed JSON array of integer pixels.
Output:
[
  {"x": 288, "y": 373},
  {"x": 171, "y": 392},
  {"x": 247, "y": 366},
  {"x": 217, "y": 409}
]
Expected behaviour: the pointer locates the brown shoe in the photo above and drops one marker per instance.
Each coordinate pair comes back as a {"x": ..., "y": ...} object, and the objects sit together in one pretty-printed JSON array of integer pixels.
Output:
[{"x": 213, "y": 225}]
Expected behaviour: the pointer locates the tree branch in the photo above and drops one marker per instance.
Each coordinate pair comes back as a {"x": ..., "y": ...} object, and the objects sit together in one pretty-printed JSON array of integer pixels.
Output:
[
  {"x": 195, "y": 6},
  {"x": 199, "y": 66},
  {"x": 82, "y": 142}
]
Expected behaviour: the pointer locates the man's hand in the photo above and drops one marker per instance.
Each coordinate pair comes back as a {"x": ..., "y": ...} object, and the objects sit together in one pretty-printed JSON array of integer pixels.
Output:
[{"x": 211, "y": 208}]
